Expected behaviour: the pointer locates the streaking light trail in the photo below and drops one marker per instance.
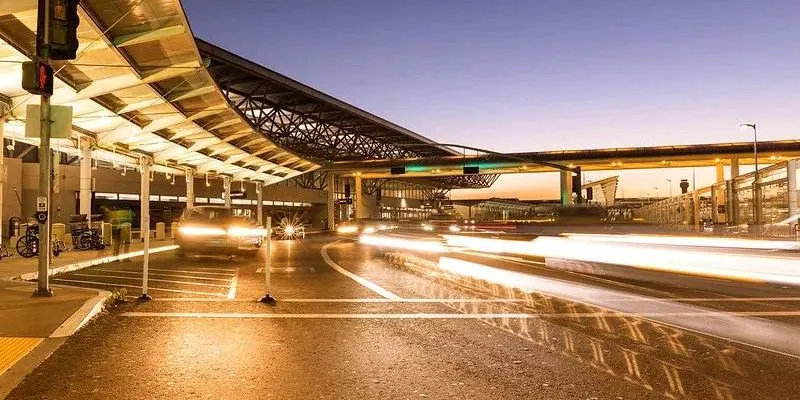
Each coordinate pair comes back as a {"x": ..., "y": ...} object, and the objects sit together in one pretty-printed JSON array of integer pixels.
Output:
[{"x": 731, "y": 243}]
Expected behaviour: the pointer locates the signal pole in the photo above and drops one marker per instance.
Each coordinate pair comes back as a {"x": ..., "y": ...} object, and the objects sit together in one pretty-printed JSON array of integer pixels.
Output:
[{"x": 45, "y": 173}]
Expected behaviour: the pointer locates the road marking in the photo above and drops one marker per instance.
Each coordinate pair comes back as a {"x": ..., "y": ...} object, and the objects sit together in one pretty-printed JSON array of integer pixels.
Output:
[
  {"x": 384, "y": 300},
  {"x": 153, "y": 280},
  {"x": 288, "y": 269},
  {"x": 12, "y": 349},
  {"x": 192, "y": 271},
  {"x": 96, "y": 261},
  {"x": 159, "y": 274},
  {"x": 326, "y": 316},
  {"x": 139, "y": 287},
  {"x": 361, "y": 280},
  {"x": 710, "y": 299}
]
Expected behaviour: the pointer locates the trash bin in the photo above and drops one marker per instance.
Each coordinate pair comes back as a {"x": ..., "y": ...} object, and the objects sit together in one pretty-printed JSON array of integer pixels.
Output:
[
  {"x": 173, "y": 230},
  {"x": 125, "y": 233},
  {"x": 58, "y": 230}
]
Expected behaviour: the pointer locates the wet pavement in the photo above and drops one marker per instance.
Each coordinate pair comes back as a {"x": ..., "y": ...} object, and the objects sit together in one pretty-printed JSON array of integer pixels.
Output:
[{"x": 350, "y": 324}]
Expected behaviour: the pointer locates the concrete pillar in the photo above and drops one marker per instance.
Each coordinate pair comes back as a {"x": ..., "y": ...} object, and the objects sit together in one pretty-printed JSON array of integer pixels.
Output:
[
  {"x": 791, "y": 175},
  {"x": 359, "y": 197},
  {"x": 734, "y": 167},
  {"x": 85, "y": 184},
  {"x": 3, "y": 173},
  {"x": 144, "y": 221},
  {"x": 331, "y": 184},
  {"x": 260, "y": 205},
  {"x": 226, "y": 183},
  {"x": 696, "y": 211},
  {"x": 189, "y": 189},
  {"x": 720, "y": 168},
  {"x": 566, "y": 187}
]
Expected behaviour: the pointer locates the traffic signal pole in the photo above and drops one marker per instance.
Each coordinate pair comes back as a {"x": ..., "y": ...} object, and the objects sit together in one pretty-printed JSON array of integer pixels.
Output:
[{"x": 45, "y": 175}]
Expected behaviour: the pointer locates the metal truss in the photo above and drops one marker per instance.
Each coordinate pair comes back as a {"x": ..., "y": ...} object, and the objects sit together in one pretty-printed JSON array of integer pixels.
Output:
[
  {"x": 458, "y": 181},
  {"x": 313, "y": 180},
  {"x": 307, "y": 122}
]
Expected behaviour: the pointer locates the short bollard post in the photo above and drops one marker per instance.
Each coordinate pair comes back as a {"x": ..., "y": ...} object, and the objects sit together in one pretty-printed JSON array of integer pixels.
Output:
[{"x": 267, "y": 298}]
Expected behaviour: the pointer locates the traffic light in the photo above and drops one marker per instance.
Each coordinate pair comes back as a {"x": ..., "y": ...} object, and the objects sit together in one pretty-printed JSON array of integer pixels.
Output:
[
  {"x": 398, "y": 170},
  {"x": 37, "y": 77},
  {"x": 471, "y": 170},
  {"x": 589, "y": 193},
  {"x": 576, "y": 184},
  {"x": 63, "y": 27}
]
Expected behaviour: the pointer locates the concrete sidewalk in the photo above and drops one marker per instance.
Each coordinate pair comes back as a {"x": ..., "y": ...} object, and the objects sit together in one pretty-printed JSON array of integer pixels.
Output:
[
  {"x": 17, "y": 267},
  {"x": 32, "y": 328}
]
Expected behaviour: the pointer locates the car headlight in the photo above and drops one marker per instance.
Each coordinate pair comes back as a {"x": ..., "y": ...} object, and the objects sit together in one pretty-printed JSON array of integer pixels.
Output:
[
  {"x": 369, "y": 229},
  {"x": 200, "y": 231},
  {"x": 347, "y": 229},
  {"x": 454, "y": 228},
  {"x": 289, "y": 230}
]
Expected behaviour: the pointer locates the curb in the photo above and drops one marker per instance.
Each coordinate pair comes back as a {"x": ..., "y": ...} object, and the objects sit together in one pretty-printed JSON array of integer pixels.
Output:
[
  {"x": 32, "y": 276},
  {"x": 82, "y": 315}
]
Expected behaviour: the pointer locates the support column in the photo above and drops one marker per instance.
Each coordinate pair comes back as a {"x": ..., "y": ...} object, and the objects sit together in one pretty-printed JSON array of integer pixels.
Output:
[
  {"x": 331, "y": 185},
  {"x": 360, "y": 204},
  {"x": 260, "y": 205},
  {"x": 791, "y": 175},
  {"x": 734, "y": 167},
  {"x": 189, "y": 189},
  {"x": 566, "y": 187},
  {"x": 3, "y": 173},
  {"x": 226, "y": 183},
  {"x": 144, "y": 221},
  {"x": 85, "y": 184},
  {"x": 696, "y": 211},
  {"x": 720, "y": 168}
]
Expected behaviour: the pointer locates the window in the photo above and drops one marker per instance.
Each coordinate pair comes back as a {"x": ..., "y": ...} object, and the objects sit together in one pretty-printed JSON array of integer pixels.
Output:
[
  {"x": 153, "y": 197},
  {"x": 105, "y": 196},
  {"x": 241, "y": 201},
  {"x": 169, "y": 198},
  {"x": 216, "y": 201},
  {"x": 182, "y": 199},
  {"x": 129, "y": 196},
  {"x": 201, "y": 200}
]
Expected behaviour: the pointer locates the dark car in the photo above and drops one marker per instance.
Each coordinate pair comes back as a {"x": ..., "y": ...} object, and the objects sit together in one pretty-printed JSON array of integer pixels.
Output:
[{"x": 214, "y": 230}]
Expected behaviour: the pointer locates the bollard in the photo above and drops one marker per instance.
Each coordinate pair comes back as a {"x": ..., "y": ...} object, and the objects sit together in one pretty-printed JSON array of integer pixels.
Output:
[
  {"x": 126, "y": 233},
  {"x": 106, "y": 232},
  {"x": 173, "y": 230},
  {"x": 160, "y": 231},
  {"x": 267, "y": 298},
  {"x": 58, "y": 230}
]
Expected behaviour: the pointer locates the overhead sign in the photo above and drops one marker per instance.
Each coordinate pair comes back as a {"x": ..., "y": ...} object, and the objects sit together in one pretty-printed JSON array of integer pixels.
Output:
[
  {"x": 345, "y": 201},
  {"x": 60, "y": 121}
]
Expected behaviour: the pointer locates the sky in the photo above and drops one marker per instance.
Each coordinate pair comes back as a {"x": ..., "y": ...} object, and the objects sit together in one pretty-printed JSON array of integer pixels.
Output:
[{"x": 537, "y": 75}]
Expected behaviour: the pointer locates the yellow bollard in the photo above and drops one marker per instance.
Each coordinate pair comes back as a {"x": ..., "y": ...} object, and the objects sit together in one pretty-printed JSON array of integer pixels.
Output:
[{"x": 161, "y": 231}]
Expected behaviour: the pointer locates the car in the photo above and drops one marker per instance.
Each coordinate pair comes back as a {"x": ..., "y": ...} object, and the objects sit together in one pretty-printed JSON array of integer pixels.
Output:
[{"x": 214, "y": 230}]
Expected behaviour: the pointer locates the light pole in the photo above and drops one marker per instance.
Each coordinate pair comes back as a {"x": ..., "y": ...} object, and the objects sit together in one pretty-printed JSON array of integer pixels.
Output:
[{"x": 756, "y": 194}]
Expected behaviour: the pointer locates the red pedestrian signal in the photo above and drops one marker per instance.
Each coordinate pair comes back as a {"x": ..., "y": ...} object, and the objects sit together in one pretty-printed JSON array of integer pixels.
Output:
[{"x": 37, "y": 78}]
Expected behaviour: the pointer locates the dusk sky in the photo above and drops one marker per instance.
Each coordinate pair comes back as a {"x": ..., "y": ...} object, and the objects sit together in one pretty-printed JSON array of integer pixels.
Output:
[{"x": 536, "y": 75}]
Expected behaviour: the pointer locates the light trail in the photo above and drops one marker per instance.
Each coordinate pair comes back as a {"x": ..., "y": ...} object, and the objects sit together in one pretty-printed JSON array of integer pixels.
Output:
[{"x": 728, "y": 243}]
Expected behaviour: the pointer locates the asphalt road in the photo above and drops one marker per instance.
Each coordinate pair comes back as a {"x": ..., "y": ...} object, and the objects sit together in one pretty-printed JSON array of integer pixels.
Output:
[{"x": 349, "y": 325}]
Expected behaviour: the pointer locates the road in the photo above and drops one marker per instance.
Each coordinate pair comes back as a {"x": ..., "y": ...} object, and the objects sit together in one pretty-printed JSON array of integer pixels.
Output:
[{"x": 348, "y": 324}]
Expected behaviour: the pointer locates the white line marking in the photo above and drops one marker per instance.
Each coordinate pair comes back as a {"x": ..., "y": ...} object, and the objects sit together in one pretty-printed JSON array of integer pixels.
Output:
[
  {"x": 192, "y": 271},
  {"x": 324, "y": 316},
  {"x": 119, "y": 271},
  {"x": 138, "y": 287},
  {"x": 288, "y": 269},
  {"x": 400, "y": 300},
  {"x": 153, "y": 280},
  {"x": 96, "y": 261},
  {"x": 361, "y": 280},
  {"x": 232, "y": 290}
]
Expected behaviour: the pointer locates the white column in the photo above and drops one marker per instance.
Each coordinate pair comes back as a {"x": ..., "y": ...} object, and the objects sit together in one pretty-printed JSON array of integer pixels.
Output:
[
  {"x": 189, "y": 189},
  {"x": 791, "y": 175},
  {"x": 144, "y": 222},
  {"x": 566, "y": 187},
  {"x": 3, "y": 173},
  {"x": 331, "y": 183},
  {"x": 260, "y": 205},
  {"x": 720, "y": 168},
  {"x": 359, "y": 203},
  {"x": 226, "y": 183},
  {"x": 85, "y": 184}
]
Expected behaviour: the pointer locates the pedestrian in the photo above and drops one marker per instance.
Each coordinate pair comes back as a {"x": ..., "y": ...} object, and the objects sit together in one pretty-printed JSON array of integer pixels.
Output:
[{"x": 119, "y": 219}]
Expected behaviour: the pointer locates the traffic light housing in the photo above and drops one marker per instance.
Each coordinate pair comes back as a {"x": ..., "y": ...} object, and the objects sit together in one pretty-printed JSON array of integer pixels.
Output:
[
  {"x": 62, "y": 23},
  {"x": 398, "y": 170},
  {"x": 471, "y": 170},
  {"x": 576, "y": 184},
  {"x": 37, "y": 77},
  {"x": 589, "y": 193}
]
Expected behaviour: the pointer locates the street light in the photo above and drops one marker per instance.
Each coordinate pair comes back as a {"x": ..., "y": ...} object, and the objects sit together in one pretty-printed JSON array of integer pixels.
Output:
[{"x": 756, "y": 196}]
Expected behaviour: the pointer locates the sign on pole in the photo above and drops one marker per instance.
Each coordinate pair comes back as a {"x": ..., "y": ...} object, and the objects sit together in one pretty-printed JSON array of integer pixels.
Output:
[{"x": 60, "y": 121}]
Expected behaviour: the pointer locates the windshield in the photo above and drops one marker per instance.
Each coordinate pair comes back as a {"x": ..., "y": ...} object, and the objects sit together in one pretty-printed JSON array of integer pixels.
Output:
[{"x": 213, "y": 215}]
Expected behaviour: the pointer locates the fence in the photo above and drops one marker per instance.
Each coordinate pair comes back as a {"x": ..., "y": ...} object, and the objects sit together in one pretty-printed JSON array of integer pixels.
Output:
[{"x": 731, "y": 203}]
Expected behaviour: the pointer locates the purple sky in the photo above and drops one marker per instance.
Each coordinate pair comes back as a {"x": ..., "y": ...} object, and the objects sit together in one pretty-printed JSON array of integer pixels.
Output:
[{"x": 536, "y": 75}]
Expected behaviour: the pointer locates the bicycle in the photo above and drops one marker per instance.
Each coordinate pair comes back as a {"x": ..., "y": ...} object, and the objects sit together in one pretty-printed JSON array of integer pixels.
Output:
[{"x": 87, "y": 238}]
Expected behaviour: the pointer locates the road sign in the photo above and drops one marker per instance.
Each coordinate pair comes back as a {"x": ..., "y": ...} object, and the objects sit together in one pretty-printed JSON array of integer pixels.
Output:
[
  {"x": 41, "y": 216},
  {"x": 60, "y": 125},
  {"x": 345, "y": 201},
  {"x": 41, "y": 203}
]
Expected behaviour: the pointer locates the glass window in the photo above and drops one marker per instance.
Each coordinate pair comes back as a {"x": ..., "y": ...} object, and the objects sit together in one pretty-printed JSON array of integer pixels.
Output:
[
  {"x": 241, "y": 201},
  {"x": 129, "y": 196},
  {"x": 201, "y": 200},
  {"x": 169, "y": 198},
  {"x": 154, "y": 197},
  {"x": 182, "y": 199},
  {"x": 216, "y": 201},
  {"x": 105, "y": 196}
]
